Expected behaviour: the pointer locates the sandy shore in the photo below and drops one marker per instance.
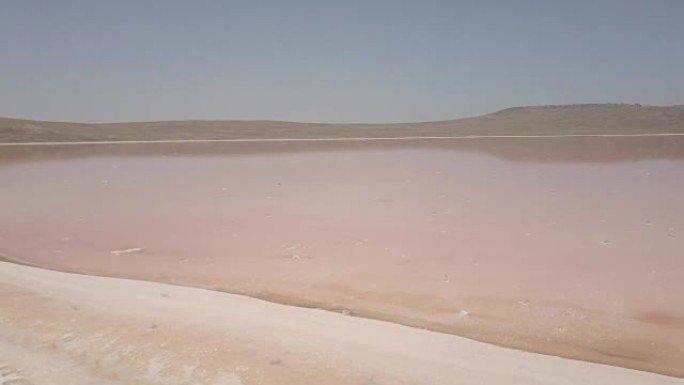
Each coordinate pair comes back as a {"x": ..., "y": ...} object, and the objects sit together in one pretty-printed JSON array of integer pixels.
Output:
[{"x": 56, "y": 326}]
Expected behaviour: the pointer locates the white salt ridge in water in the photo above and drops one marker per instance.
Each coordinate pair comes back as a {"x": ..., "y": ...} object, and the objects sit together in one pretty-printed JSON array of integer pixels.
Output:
[{"x": 126, "y": 251}]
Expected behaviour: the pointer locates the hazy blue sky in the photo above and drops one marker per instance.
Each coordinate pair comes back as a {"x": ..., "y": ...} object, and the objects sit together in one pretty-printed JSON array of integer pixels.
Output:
[{"x": 332, "y": 60}]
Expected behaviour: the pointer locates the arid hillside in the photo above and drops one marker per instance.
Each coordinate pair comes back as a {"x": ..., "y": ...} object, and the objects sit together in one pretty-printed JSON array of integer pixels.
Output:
[{"x": 543, "y": 120}]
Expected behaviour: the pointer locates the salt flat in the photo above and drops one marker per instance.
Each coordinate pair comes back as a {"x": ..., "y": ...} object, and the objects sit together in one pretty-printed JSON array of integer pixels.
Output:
[{"x": 106, "y": 330}]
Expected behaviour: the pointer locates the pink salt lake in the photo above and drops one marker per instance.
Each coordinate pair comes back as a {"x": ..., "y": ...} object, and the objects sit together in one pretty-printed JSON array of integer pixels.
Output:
[{"x": 431, "y": 235}]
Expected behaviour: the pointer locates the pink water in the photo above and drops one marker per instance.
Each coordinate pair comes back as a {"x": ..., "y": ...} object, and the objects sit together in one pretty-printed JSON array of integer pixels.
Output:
[{"x": 441, "y": 223}]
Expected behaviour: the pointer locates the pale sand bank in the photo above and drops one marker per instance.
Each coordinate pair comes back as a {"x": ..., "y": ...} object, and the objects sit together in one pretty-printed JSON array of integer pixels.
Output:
[{"x": 105, "y": 330}]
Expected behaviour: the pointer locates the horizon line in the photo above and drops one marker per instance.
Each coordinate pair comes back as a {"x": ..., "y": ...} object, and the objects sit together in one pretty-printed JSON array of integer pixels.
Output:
[{"x": 466, "y": 137}]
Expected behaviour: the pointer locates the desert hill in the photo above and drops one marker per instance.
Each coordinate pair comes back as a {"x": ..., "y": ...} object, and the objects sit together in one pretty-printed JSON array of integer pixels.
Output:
[{"x": 541, "y": 120}]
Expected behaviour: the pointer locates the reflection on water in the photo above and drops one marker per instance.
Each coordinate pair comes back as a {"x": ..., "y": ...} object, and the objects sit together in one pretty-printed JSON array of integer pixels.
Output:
[
  {"x": 551, "y": 149},
  {"x": 407, "y": 229}
]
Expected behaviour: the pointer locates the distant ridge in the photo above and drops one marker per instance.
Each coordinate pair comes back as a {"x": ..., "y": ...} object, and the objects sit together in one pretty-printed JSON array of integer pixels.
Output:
[
  {"x": 574, "y": 106},
  {"x": 532, "y": 120}
]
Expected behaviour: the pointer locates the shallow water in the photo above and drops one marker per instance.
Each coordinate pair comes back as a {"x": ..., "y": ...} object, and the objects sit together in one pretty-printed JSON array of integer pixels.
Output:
[{"x": 403, "y": 228}]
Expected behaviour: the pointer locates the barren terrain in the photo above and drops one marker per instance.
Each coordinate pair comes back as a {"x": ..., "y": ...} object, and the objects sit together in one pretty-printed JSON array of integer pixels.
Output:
[{"x": 544, "y": 120}]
